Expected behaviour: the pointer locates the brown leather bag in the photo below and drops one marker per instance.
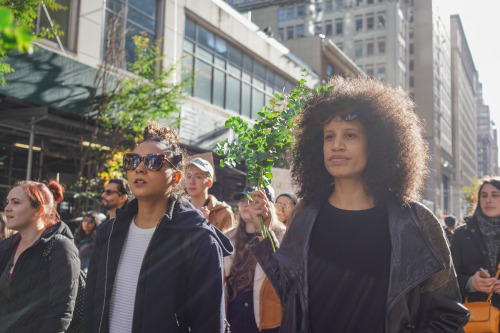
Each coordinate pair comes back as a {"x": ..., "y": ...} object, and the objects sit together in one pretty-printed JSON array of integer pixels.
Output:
[{"x": 484, "y": 316}]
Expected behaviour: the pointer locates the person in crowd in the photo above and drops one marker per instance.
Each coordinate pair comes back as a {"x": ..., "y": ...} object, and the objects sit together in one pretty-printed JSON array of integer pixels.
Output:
[
  {"x": 360, "y": 253},
  {"x": 253, "y": 305},
  {"x": 199, "y": 178},
  {"x": 158, "y": 265},
  {"x": 4, "y": 231},
  {"x": 450, "y": 222},
  {"x": 115, "y": 195},
  {"x": 84, "y": 237},
  {"x": 37, "y": 290},
  {"x": 476, "y": 244},
  {"x": 285, "y": 202}
]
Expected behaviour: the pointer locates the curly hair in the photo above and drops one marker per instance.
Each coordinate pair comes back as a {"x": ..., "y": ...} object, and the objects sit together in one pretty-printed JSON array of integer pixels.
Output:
[
  {"x": 243, "y": 267},
  {"x": 397, "y": 152},
  {"x": 168, "y": 140}
]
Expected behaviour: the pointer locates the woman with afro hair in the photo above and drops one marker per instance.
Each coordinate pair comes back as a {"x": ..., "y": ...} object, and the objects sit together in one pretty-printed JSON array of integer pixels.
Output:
[{"x": 360, "y": 253}]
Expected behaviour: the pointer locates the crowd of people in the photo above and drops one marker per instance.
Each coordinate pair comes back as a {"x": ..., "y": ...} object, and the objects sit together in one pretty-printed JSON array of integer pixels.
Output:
[{"x": 355, "y": 250}]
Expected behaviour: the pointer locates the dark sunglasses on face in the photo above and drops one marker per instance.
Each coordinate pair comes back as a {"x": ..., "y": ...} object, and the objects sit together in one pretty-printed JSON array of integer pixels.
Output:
[
  {"x": 109, "y": 192},
  {"x": 88, "y": 220},
  {"x": 152, "y": 162}
]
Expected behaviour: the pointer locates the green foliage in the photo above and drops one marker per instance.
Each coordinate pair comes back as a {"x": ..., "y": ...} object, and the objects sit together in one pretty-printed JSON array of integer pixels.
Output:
[
  {"x": 145, "y": 95},
  {"x": 260, "y": 147},
  {"x": 12, "y": 35},
  {"x": 17, "y": 22}
]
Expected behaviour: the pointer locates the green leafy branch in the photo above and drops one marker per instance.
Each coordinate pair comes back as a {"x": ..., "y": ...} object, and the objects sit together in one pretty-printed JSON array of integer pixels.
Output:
[{"x": 262, "y": 145}]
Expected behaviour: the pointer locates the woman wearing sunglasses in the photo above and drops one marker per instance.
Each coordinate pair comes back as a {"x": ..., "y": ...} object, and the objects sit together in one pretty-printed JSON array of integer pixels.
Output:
[
  {"x": 360, "y": 253},
  {"x": 157, "y": 266},
  {"x": 84, "y": 237}
]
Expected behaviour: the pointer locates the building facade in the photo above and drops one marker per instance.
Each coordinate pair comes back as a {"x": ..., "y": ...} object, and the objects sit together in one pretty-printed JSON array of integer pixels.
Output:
[
  {"x": 464, "y": 78},
  {"x": 235, "y": 69},
  {"x": 373, "y": 33}
]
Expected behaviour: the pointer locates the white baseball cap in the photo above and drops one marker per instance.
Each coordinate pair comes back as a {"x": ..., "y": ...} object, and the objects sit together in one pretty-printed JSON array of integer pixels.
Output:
[{"x": 203, "y": 165}]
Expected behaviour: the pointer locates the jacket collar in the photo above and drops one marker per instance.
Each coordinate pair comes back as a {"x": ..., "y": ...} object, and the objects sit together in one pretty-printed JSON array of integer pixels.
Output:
[
  {"x": 476, "y": 234},
  {"x": 408, "y": 241}
]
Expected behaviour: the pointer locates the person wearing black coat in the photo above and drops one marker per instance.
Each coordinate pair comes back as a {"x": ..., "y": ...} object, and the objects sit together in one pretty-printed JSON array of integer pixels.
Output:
[
  {"x": 37, "y": 290},
  {"x": 477, "y": 245},
  {"x": 176, "y": 283},
  {"x": 360, "y": 253}
]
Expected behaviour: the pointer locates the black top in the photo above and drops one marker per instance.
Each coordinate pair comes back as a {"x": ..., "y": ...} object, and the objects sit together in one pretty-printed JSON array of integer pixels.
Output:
[{"x": 349, "y": 262}]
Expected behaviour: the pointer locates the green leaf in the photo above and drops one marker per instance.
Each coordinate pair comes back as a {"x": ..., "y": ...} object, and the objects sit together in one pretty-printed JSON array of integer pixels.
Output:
[{"x": 6, "y": 18}]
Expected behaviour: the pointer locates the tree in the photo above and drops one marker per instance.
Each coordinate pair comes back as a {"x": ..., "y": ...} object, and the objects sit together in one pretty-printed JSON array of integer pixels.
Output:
[
  {"x": 120, "y": 107},
  {"x": 17, "y": 23}
]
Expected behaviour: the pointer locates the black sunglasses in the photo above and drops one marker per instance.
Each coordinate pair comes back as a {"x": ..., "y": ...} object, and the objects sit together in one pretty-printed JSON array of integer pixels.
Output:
[
  {"x": 109, "y": 192},
  {"x": 152, "y": 162},
  {"x": 88, "y": 220}
]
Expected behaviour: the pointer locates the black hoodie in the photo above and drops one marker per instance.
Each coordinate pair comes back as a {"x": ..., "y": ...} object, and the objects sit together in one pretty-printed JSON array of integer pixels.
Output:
[
  {"x": 180, "y": 283},
  {"x": 42, "y": 290}
]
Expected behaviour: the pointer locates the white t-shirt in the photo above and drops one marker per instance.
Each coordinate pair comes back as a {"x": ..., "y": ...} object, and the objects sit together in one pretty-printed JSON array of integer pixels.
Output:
[{"x": 121, "y": 310}]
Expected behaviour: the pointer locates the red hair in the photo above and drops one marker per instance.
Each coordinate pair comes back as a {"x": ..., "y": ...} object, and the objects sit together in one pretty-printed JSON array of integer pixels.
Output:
[{"x": 42, "y": 194}]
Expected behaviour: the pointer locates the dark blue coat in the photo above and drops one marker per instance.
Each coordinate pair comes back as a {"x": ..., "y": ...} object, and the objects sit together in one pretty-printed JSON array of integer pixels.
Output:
[{"x": 180, "y": 283}]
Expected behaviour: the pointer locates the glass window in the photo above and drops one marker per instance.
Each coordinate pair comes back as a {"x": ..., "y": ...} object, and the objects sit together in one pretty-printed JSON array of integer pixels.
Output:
[
  {"x": 246, "y": 100},
  {"x": 329, "y": 5},
  {"x": 319, "y": 7},
  {"x": 369, "y": 71},
  {"x": 410, "y": 32},
  {"x": 203, "y": 80},
  {"x": 318, "y": 29},
  {"x": 290, "y": 13},
  {"x": 381, "y": 20},
  {"x": 411, "y": 48},
  {"x": 234, "y": 55},
  {"x": 67, "y": 21},
  {"x": 281, "y": 14},
  {"x": 358, "y": 49},
  {"x": 301, "y": 11},
  {"x": 281, "y": 33},
  {"x": 130, "y": 18},
  {"x": 328, "y": 28},
  {"x": 219, "y": 88},
  {"x": 369, "y": 48},
  {"x": 224, "y": 75},
  {"x": 340, "y": 4},
  {"x": 381, "y": 46},
  {"x": 359, "y": 2},
  {"x": 359, "y": 23},
  {"x": 381, "y": 72},
  {"x": 411, "y": 65},
  {"x": 289, "y": 33},
  {"x": 370, "y": 22},
  {"x": 233, "y": 94},
  {"x": 412, "y": 81},
  {"x": 339, "y": 27},
  {"x": 300, "y": 31},
  {"x": 369, "y": 1}
]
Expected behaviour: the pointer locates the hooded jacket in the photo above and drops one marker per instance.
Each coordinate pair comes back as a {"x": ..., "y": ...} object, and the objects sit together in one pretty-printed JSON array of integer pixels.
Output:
[
  {"x": 221, "y": 214},
  {"x": 423, "y": 294},
  {"x": 180, "y": 284},
  {"x": 42, "y": 290}
]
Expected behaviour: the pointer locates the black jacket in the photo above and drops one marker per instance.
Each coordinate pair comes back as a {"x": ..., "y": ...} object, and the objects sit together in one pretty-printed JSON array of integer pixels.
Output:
[
  {"x": 423, "y": 294},
  {"x": 43, "y": 290},
  {"x": 468, "y": 250},
  {"x": 180, "y": 283}
]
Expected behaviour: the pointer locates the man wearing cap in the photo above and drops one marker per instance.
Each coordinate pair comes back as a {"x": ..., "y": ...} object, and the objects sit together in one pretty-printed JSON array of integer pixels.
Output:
[{"x": 200, "y": 177}]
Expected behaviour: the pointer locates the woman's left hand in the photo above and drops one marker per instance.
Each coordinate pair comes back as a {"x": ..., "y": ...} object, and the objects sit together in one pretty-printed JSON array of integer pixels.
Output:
[{"x": 260, "y": 205}]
